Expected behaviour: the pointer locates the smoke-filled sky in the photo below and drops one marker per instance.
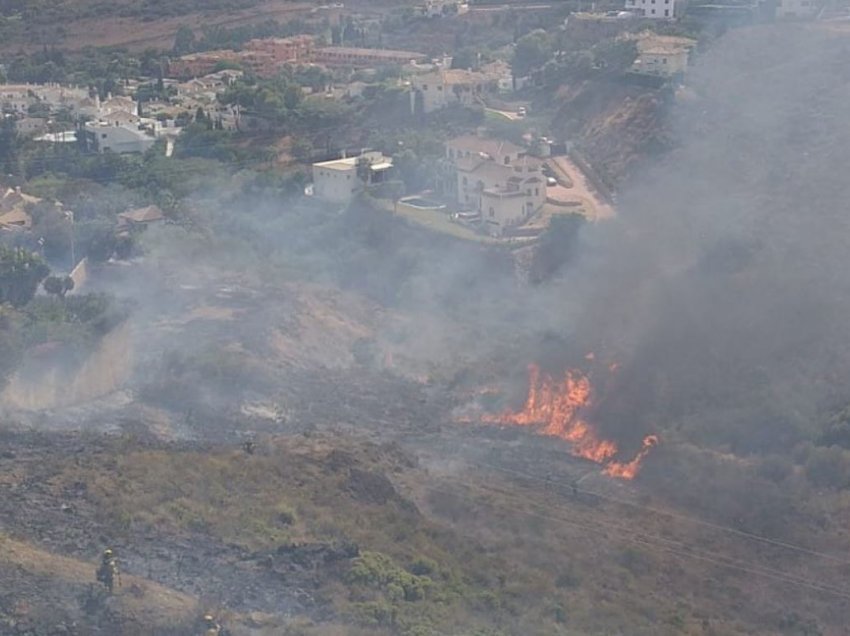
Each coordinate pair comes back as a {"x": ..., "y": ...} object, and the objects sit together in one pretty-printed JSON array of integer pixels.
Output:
[{"x": 724, "y": 283}]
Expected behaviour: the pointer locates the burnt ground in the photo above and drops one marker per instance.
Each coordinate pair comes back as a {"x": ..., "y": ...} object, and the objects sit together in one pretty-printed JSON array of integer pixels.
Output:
[
  {"x": 352, "y": 456},
  {"x": 67, "y": 521}
]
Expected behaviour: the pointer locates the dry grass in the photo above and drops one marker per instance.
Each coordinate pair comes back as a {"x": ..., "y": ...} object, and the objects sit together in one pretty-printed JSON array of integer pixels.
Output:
[
  {"x": 161, "y": 606},
  {"x": 498, "y": 556}
]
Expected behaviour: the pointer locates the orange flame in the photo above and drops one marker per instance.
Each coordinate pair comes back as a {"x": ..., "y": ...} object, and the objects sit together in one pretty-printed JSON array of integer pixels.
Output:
[
  {"x": 630, "y": 469},
  {"x": 555, "y": 407}
]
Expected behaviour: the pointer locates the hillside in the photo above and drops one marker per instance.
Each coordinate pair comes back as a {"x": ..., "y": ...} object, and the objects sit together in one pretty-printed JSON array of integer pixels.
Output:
[
  {"x": 132, "y": 25},
  {"x": 343, "y": 532},
  {"x": 370, "y": 506}
]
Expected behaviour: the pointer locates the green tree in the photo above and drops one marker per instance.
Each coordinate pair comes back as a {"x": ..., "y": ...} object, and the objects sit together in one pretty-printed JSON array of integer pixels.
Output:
[
  {"x": 9, "y": 146},
  {"x": 614, "y": 55},
  {"x": 532, "y": 51},
  {"x": 292, "y": 96},
  {"x": 302, "y": 150},
  {"x": 58, "y": 285},
  {"x": 21, "y": 272},
  {"x": 465, "y": 58}
]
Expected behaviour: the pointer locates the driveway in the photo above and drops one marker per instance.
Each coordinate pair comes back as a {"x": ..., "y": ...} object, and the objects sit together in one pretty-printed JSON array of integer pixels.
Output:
[{"x": 580, "y": 190}]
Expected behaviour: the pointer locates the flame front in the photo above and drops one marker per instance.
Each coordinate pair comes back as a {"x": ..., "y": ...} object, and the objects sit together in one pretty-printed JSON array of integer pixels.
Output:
[{"x": 556, "y": 408}]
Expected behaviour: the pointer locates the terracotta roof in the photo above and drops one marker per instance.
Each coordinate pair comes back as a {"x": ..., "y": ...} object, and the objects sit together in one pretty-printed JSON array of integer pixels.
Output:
[
  {"x": 13, "y": 198},
  {"x": 15, "y": 218}
]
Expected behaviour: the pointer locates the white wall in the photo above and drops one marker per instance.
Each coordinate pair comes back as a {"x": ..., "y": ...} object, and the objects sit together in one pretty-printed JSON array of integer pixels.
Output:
[
  {"x": 663, "y": 64},
  {"x": 335, "y": 185},
  {"x": 659, "y": 9},
  {"x": 120, "y": 140}
]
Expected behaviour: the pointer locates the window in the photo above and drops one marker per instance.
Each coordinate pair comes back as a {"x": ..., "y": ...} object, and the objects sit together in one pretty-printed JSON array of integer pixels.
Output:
[
  {"x": 666, "y": 13},
  {"x": 492, "y": 212},
  {"x": 439, "y": 88},
  {"x": 653, "y": 12},
  {"x": 536, "y": 192},
  {"x": 664, "y": 60},
  {"x": 464, "y": 182},
  {"x": 507, "y": 159},
  {"x": 103, "y": 135},
  {"x": 424, "y": 87},
  {"x": 528, "y": 192}
]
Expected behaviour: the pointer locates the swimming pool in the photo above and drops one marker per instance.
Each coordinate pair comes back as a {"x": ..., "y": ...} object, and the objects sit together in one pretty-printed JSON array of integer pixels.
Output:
[{"x": 423, "y": 203}]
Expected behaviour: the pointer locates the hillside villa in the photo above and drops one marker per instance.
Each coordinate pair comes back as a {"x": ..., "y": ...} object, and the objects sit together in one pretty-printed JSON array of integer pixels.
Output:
[
  {"x": 494, "y": 178},
  {"x": 340, "y": 180}
]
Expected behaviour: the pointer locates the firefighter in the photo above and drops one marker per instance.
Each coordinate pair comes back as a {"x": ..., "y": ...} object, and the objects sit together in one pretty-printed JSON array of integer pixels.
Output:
[
  {"x": 249, "y": 447},
  {"x": 107, "y": 573},
  {"x": 211, "y": 627}
]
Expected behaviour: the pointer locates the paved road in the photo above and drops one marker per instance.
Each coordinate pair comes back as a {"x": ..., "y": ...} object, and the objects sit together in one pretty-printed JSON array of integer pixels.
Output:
[
  {"x": 580, "y": 190},
  {"x": 511, "y": 116}
]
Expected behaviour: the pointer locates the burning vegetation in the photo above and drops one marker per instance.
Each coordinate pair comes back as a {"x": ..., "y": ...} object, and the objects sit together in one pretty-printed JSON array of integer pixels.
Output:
[{"x": 558, "y": 408}]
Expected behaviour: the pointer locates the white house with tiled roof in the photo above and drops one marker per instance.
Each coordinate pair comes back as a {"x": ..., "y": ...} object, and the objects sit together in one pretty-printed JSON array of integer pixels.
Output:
[
  {"x": 495, "y": 178},
  {"x": 436, "y": 90}
]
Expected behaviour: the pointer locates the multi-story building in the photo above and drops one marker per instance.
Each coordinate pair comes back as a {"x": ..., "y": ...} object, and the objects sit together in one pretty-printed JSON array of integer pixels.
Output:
[
  {"x": 658, "y": 9},
  {"x": 436, "y": 90},
  {"x": 291, "y": 50},
  {"x": 17, "y": 98},
  {"x": 495, "y": 178},
  {"x": 340, "y": 180},
  {"x": 119, "y": 138},
  {"x": 345, "y": 56},
  {"x": 663, "y": 56},
  {"x": 437, "y": 8}
]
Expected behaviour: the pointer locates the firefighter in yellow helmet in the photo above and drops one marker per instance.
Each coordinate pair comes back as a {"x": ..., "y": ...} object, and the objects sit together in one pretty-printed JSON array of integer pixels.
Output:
[{"x": 107, "y": 573}]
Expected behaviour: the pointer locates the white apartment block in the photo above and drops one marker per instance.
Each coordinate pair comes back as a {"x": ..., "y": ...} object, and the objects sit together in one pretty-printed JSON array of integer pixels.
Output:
[{"x": 659, "y": 9}]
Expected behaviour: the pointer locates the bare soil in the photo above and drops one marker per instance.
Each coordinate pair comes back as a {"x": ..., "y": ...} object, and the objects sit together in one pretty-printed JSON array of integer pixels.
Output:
[{"x": 137, "y": 34}]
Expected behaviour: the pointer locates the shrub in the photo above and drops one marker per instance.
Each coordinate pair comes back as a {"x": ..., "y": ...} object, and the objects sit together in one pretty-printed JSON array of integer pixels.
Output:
[
  {"x": 380, "y": 572},
  {"x": 828, "y": 467},
  {"x": 285, "y": 515},
  {"x": 775, "y": 468},
  {"x": 423, "y": 566}
]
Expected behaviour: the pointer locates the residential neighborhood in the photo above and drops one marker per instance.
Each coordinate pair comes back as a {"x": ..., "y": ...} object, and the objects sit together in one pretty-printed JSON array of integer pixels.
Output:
[{"x": 487, "y": 183}]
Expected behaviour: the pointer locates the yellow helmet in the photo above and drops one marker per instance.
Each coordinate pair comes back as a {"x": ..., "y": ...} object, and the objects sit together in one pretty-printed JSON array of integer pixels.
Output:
[
  {"x": 107, "y": 553},
  {"x": 208, "y": 618}
]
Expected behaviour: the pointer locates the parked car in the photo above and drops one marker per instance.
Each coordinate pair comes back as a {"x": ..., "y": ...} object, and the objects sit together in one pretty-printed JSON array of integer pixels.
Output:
[{"x": 551, "y": 181}]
